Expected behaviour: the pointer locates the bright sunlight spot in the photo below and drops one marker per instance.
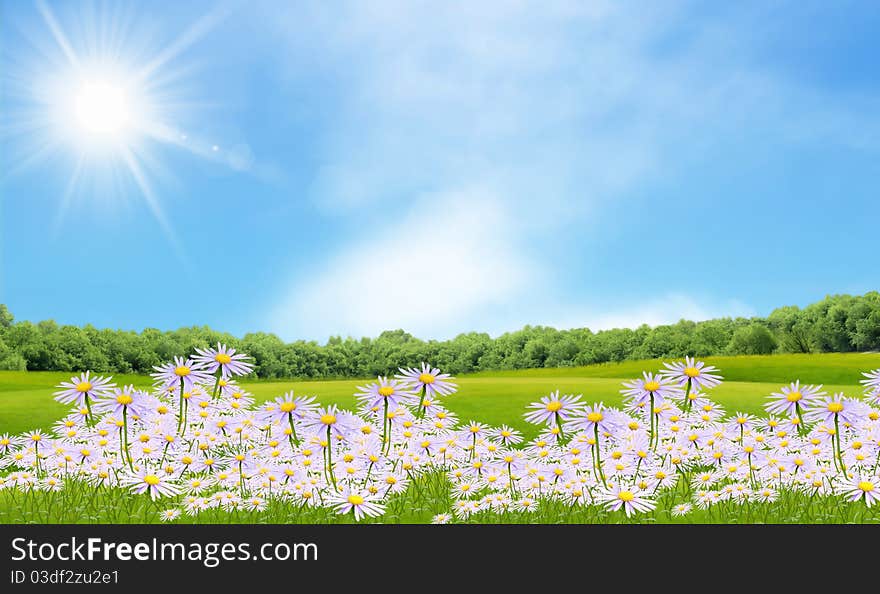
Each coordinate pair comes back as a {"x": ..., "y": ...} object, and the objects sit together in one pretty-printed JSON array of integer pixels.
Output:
[{"x": 101, "y": 108}]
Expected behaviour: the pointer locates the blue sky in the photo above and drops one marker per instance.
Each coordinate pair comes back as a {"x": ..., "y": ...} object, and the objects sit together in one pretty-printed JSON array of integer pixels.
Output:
[{"x": 313, "y": 168}]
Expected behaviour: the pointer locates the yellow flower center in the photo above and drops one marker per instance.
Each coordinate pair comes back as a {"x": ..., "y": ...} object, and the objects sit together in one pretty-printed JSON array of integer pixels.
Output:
[
  {"x": 287, "y": 406},
  {"x": 355, "y": 499},
  {"x": 124, "y": 399},
  {"x": 328, "y": 419},
  {"x": 835, "y": 407},
  {"x": 426, "y": 378},
  {"x": 866, "y": 486},
  {"x": 386, "y": 391},
  {"x": 794, "y": 396},
  {"x": 594, "y": 417},
  {"x": 222, "y": 358},
  {"x": 652, "y": 386},
  {"x": 181, "y": 371},
  {"x": 83, "y": 387},
  {"x": 554, "y": 406},
  {"x": 626, "y": 496},
  {"x": 692, "y": 372},
  {"x": 152, "y": 480}
]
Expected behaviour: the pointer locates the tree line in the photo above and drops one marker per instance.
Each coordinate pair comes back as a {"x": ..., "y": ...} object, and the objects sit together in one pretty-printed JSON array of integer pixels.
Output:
[{"x": 838, "y": 323}]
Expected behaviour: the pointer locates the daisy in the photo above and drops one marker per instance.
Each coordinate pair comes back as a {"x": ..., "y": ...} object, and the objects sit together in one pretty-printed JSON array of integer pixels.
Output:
[
  {"x": 385, "y": 393},
  {"x": 871, "y": 381},
  {"x": 526, "y": 504},
  {"x": 628, "y": 498},
  {"x": 682, "y": 509},
  {"x": 831, "y": 408},
  {"x": 80, "y": 389},
  {"x": 169, "y": 515},
  {"x": 182, "y": 372},
  {"x": 145, "y": 480},
  {"x": 125, "y": 400},
  {"x": 7, "y": 442},
  {"x": 650, "y": 387},
  {"x": 793, "y": 399},
  {"x": 765, "y": 495},
  {"x": 593, "y": 419},
  {"x": 863, "y": 487},
  {"x": 475, "y": 430},
  {"x": 554, "y": 409},
  {"x": 224, "y": 359},
  {"x": 330, "y": 420},
  {"x": 692, "y": 374},
  {"x": 361, "y": 504},
  {"x": 441, "y": 519},
  {"x": 427, "y": 380},
  {"x": 254, "y": 503},
  {"x": 285, "y": 409},
  {"x": 52, "y": 483},
  {"x": 506, "y": 435}
]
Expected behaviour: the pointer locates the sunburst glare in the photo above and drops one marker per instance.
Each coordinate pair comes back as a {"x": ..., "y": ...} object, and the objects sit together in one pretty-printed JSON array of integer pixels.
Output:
[{"x": 103, "y": 99}]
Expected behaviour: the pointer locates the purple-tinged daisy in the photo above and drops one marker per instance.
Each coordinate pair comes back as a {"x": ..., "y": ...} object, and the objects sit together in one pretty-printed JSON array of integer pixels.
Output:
[
  {"x": 628, "y": 498},
  {"x": 640, "y": 391},
  {"x": 385, "y": 392},
  {"x": 124, "y": 400},
  {"x": 8, "y": 442},
  {"x": 429, "y": 379},
  {"x": 793, "y": 399},
  {"x": 594, "y": 418},
  {"x": 225, "y": 359},
  {"x": 871, "y": 381},
  {"x": 554, "y": 409},
  {"x": 695, "y": 374},
  {"x": 441, "y": 519},
  {"x": 863, "y": 487},
  {"x": 361, "y": 504},
  {"x": 830, "y": 408},
  {"x": 506, "y": 435},
  {"x": 169, "y": 515},
  {"x": 287, "y": 407},
  {"x": 331, "y": 420},
  {"x": 82, "y": 388},
  {"x": 146, "y": 481},
  {"x": 185, "y": 371},
  {"x": 682, "y": 509}
]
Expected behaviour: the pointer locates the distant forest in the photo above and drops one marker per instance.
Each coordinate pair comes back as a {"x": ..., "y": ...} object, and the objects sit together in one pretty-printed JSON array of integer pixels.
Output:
[{"x": 838, "y": 323}]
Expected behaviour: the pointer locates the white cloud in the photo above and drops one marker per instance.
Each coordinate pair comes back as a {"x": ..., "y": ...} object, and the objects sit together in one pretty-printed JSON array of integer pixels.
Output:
[{"x": 450, "y": 259}]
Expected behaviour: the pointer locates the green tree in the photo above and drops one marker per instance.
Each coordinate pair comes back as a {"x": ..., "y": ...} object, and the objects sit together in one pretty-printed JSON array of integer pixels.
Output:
[{"x": 754, "y": 339}]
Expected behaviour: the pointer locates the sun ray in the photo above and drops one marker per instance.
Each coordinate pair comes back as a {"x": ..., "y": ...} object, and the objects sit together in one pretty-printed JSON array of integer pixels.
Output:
[
  {"x": 195, "y": 32},
  {"x": 58, "y": 34},
  {"x": 151, "y": 200},
  {"x": 66, "y": 197}
]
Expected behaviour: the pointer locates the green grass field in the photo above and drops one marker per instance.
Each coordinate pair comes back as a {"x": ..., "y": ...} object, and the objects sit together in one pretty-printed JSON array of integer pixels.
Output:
[
  {"x": 493, "y": 397},
  {"x": 497, "y": 397}
]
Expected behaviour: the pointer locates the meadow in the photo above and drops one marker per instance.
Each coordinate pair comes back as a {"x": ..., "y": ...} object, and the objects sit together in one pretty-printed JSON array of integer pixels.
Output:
[{"x": 494, "y": 398}]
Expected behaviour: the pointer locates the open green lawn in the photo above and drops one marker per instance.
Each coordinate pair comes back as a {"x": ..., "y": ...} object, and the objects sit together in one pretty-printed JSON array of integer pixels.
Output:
[{"x": 494, "y": 397}]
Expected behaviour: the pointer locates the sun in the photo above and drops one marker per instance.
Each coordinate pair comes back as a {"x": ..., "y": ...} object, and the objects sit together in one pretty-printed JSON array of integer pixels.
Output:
[
  {"x": 106, "y": 100},
  {"x": 102, "y": 108}
]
